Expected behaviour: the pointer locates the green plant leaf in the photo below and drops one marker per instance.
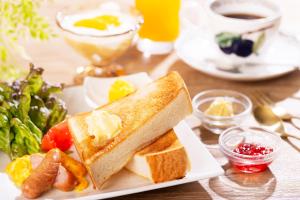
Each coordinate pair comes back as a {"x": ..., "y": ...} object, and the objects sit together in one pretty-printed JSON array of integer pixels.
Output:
[
  {"x": 3, "y": 53},
  {"x": 19, "y": 19},
  {"x": 259, "y": 42},
  {"x": 225, "y": 39}
]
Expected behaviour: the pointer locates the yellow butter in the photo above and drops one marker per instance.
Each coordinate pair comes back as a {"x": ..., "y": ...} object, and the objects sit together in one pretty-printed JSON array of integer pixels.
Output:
[
  {"x": 220, "y": 107},
  {"x": 103, "y": 125},
  {"x": 120, "y": 89}
]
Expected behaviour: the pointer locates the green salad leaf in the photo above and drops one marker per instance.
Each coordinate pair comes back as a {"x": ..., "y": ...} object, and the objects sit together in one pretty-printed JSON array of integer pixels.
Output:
[
  {"x": 39, "y": 113},
  {"x": 24, "y": 138},
  {"x": 5, "y": 138},
  {"x": 28, "y": 108}
]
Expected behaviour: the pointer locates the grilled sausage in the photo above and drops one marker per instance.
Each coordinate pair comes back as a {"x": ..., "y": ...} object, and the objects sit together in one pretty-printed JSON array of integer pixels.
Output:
[
  {"x": 64, "y": 181},
  {"x": 43, "y": 177}
]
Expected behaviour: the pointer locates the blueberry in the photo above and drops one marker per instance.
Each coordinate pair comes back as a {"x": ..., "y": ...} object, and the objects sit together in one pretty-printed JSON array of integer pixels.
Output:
[
  {"x": 226, "y": 50},
  {"x": 235, "y": 45},
  {"x": 243, "y": 48}
]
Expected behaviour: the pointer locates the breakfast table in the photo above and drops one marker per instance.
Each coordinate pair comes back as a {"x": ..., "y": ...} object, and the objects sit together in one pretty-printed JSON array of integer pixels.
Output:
[{"x": 280, "y": 181}]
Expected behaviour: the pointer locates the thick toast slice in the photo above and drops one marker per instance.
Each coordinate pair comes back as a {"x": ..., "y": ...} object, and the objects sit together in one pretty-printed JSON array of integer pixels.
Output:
[
  {"x": 163, "y": 160},
  {"x": 146, "y": 115}
]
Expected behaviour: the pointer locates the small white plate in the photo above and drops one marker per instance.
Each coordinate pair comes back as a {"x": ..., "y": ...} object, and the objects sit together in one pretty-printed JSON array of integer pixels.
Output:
[
  {"x": 203, "y": 165},
  {"x": 96, "y": 89},
  {"x": 194, "y": 47}
]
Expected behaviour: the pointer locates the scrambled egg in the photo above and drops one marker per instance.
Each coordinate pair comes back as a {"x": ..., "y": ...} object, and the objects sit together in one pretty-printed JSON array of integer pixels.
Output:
[
  {"x": 100, "y": 22},
  {"x": 119, "y": 89},
  {"x": 220, "y": 107},
  {"x": 19, "y": 169}
]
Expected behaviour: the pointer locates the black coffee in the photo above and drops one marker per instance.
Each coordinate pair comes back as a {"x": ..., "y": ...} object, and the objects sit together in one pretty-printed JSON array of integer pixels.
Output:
[{"x": 243, "y": 16}]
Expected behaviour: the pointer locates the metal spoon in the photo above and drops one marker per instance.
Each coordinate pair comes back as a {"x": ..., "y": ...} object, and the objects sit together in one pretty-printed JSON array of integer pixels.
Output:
[
  {"x": 278, "y": 110},
  {"x": 265, "y": 116}
]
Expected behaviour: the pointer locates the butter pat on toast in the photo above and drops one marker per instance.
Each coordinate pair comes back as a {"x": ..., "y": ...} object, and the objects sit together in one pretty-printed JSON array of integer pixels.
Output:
[{"x": 145, "y": 115}]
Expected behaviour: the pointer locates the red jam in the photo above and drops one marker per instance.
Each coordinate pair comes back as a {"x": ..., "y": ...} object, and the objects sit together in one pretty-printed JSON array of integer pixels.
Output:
[{"x": 252, "y": 150}]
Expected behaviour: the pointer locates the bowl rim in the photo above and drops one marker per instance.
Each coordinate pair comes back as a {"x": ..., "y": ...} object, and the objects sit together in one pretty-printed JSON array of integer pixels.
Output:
[
  {"x": 59, "y": 17},
  {"x": 230, "y": 153},
  {"x": 277, "y": 15},
  {"x": 199, "y": 112}
]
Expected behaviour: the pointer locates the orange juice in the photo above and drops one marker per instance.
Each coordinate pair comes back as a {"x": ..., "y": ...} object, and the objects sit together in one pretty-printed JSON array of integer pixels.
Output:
[{"x": 161, "y": 19}]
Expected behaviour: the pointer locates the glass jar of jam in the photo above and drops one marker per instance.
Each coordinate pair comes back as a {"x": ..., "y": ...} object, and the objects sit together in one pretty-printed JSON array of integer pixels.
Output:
[{"x": 250, "y": 149}]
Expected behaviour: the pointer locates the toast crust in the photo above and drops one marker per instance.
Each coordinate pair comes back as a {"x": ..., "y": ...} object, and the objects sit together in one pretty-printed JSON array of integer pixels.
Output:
[
  {"x": 135, "y": 111},
  {"x": 166, "y": 159},
  {"x": 168, "y": 165},
  {"x": 129, "y": 112},
  {"x": 162, "y": 143}
]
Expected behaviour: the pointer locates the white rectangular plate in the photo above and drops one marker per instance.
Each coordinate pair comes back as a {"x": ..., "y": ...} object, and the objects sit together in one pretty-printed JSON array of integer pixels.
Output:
[{"x": 203, "y": 165}]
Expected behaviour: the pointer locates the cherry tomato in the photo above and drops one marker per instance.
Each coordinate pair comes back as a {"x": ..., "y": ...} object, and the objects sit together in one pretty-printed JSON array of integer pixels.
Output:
[{"x": 57, "y": 137}]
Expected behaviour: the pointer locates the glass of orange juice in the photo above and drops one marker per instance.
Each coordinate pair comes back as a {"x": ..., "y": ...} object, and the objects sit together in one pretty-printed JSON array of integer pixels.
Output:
[{"x": 161, "y": 25}]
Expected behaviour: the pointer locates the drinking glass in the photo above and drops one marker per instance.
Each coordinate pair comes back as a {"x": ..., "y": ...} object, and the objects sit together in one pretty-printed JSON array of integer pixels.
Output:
[
  {"x": 100, "y": 49},
  {"x": 161, "y": 25}
]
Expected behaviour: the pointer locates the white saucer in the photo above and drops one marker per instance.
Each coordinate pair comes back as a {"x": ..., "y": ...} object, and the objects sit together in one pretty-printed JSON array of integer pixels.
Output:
[{"x": 194, "y": 48}]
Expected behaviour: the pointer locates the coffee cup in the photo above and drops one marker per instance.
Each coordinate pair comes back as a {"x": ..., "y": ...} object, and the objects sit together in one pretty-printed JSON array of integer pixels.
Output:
[{"x": 241, "y": 30}]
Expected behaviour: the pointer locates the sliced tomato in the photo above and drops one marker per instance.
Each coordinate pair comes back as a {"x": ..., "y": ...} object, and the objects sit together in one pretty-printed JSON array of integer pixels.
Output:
[{"x": 57, "y": 137}]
